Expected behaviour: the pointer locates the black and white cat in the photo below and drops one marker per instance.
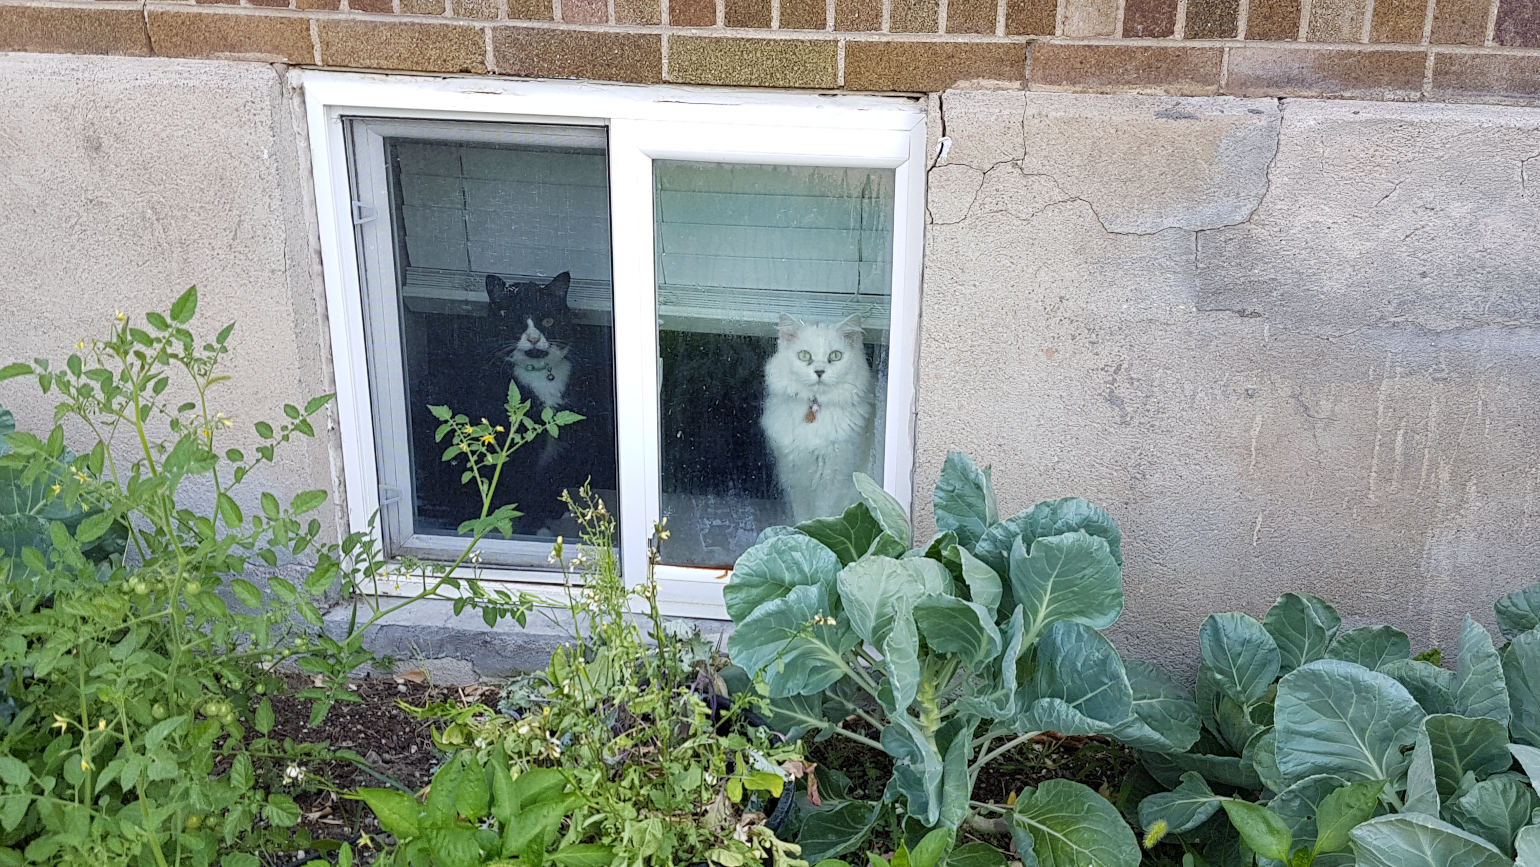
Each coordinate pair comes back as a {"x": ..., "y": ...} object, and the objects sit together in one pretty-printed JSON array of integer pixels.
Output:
[
  {"x": 819, "y": 414},
  {"x": 558, "y": 364}
]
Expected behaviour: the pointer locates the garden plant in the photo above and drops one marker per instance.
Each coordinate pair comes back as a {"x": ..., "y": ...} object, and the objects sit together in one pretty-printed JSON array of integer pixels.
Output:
[{"x": 139, "y": 645}]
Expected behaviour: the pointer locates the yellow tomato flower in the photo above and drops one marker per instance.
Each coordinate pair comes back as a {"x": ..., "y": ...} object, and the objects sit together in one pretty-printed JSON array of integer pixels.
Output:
[
  {"x": 489, "y": 439},
  {"x": 56, "y": 489},
  {"x": 60, "y": 723},
  {"x": 118, "y": 315}
]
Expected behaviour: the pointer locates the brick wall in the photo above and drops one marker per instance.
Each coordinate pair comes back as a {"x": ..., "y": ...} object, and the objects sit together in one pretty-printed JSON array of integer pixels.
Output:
[{"x": 1451, "y": 50}]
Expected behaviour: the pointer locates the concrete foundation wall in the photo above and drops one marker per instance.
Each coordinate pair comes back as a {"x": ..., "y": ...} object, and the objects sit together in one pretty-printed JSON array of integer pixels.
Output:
[
  {"x": 1289, "y": 344},
  {"x": 124, "y": 181}
]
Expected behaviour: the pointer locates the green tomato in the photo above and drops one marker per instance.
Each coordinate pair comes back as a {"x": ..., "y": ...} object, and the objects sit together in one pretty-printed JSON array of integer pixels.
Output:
[
  {"x": 158, "y": 710},
  {"x": 193, "y": 823},
  {"x": 194, "y": 588}
]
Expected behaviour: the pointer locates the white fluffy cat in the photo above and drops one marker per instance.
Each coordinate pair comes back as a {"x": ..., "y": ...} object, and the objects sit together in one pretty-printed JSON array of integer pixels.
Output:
[{"x": 818, "y": 417}]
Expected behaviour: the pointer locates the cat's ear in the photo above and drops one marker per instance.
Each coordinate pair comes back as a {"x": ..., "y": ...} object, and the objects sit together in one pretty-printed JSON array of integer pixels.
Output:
[
  {"x": 849, "y": 329},
  {"x": 497, "y": 290},
  {"x": 560, "y": 283},
  {"x": 787, "y": 331}
]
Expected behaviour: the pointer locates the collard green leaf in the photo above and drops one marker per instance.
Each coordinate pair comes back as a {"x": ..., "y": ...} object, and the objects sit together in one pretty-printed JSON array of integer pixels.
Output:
[
  {"x": 1183, "y": 808},
  {"x": 982, "y": 582},
  {"x": 1479, "y": 688},
  {"x": 1046, "y": 519},
  {"x": 1461, "y": 745},
  {"x": 964, "y": 501},
  {"x": 975, "y": 855},
  {"x": 1300, "y": 804},
  {"x": 1335, "y": 717},
  {"x": 1431, "y": 686},
  {"x": 1342, "y": 811},
  {"x": 1162, "y": 704},
  {"x": 1069, "y": 577},
  {"x": 917, "y": 768},
  {"x": 849, "y": 535},
  {"x": 964, "y": 629},
  {"x": 1070, "y": 825},
  {"x": 1521, "y": 672},
  {"x": 1494, "y": 810},
  {"x": 1078, "y": 665},
  {"x": 783, "y": 639},
  {"x": 956, "y": 784},
  {"x": 771, "y": 568},
  {"x": 1240, "y": 654},
  {"x": 1518, "y": 612},
  {"x": 872, "y": 590},
  {"x": 996, "y": 696},
  {"x": 1527, "y": 847},
  {"x": 1422, "y": 780},
  {"x": 885, "y": 508},
  {"x": 1262, "y": 752},
  {"x": 1219, "y": 769},
  {"x": 1371, "y": 646},
  {"x": 901, "y": 660},
  {"x": 1303, "y": 626},
  {"x": 1415, "y": 840},
  {"x": 840, "y": 828},
  {"x": 1529, "y": 760}
]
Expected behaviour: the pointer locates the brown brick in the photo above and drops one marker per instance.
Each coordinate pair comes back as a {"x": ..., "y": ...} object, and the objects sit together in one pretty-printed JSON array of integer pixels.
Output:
[
  {"x": 753, "y": 62},
  {"x": 530, "y": 10},
  {"x": 218, "y": 2},
  {"x": 1336, "y": 21},
  {"x": 1484, "y": 76},
  {"x": 971, "y": 16},
  {"x": 804, "y": 15},
  {"x": 931, "y": 66},
  {"x": 585, "y": 11},
  {"x": 542, "y": 52},
  {"x": 230, "y": 35},
  {"x": 407, "y": 45},
  {"x": 853, "y": 16},
  {"x": 914, "y": 16},
  {"x": 1167, "y": 69},
  {"x": 1090, "y": 17},
  {"x": 1212, "y": 19},
  {"x": 1275, "y": 20},
  {"x": 1399, "y": 21},
  {"x": 746, "y": 13},
  {"x": 318, "y": 4},
  {"x": 1149, "y": 18},
  {"x": 424, "y": 7},
  {"x": 1364, "y": 74},
  {"x": 1460, "y": 22},
  {"x": 73, "y": 31},
  {"x": 1031, "y": 17},
  {"x": 1518, "y": 23},
  {"x": 275, "y": 4},
  {"x": 371, "y": 5},
  {"x": 647, "y": 12},
  {"x": 692, "y": 13},
  {"x": 483, "y": 9}
]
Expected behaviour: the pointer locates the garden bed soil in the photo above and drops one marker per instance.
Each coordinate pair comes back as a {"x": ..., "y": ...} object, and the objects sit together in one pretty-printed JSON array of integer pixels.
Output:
[{"x": 397, "y": 749}]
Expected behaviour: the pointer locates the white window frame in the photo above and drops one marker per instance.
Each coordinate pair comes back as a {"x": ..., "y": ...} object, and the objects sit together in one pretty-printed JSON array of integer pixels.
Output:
[{"x": 645, "y": 124}]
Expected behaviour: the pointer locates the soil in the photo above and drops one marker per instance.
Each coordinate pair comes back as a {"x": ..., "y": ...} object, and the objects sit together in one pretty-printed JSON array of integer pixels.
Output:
[{"x": 397, "y": 751}]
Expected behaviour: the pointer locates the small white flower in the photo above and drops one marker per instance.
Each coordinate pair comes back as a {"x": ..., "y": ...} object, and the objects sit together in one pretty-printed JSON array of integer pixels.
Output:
[{"x": 294, "y": 775}]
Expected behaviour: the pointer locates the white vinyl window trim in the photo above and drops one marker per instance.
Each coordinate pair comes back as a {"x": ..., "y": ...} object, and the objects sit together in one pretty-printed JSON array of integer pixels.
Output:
[{"x": 644, "y": 124}]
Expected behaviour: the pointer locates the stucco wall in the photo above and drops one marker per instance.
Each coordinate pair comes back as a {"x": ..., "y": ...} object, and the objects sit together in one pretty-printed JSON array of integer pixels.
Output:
[
  {"x": 122, "y": 182},
  {"x": 1290, "y": 345}
]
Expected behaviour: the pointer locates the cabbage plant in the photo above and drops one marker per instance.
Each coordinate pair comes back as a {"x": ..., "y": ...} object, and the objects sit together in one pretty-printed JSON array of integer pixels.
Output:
[
  {"x": 1331, "y": 747},
  {"x": 948, "y": 653}
]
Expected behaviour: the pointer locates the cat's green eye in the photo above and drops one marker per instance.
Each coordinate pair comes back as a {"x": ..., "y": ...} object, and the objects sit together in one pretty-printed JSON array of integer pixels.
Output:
[
  {"x": 805, "y": 356},
  {"x": 546, "y": 322},
  {"x": 836, "y": 355}
]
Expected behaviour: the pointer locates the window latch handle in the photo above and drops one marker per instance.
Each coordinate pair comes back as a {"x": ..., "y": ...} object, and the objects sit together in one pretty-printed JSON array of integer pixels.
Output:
[{"x": 362, "y": 213}]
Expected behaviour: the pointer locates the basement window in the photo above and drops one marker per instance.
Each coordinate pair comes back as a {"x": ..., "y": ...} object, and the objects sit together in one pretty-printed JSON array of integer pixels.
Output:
[{"x": 723, "y": 285}]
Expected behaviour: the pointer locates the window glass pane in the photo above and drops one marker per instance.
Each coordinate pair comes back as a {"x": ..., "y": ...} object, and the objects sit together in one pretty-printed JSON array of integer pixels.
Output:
[
  {"x": 501, "y": 247},
  {"x": 773, "y": 295}
]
